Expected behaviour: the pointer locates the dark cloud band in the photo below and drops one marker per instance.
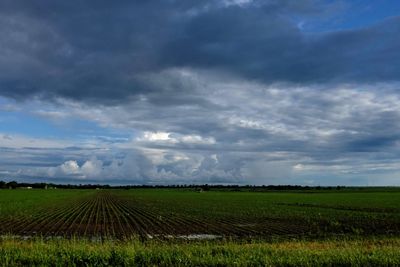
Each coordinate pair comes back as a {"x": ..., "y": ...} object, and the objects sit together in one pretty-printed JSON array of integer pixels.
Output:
[{"x": 100, "y": 51}]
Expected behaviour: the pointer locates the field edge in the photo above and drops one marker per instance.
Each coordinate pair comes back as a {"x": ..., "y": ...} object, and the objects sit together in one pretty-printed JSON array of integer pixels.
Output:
[{"x": 81, "y": 252}]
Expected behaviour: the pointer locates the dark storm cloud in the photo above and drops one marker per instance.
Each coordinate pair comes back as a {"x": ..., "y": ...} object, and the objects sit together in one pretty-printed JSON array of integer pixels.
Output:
[
  {"x": 100, "y": 50},
  {"x": 271, "y": 48}
]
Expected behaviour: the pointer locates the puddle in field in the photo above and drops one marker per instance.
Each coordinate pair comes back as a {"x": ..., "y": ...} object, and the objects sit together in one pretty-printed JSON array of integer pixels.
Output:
[
  {"x": 188, "y": 237},
  {"x": 199, "y": 237}
]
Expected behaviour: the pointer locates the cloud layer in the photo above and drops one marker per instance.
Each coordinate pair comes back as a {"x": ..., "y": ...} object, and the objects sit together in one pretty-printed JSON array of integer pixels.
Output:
[
  {"x": 101, "y": 51},
  {"x": 198, "y": 92}
]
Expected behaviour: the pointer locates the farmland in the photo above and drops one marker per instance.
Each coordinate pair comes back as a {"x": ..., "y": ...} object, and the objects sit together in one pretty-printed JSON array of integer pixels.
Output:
[
  {"x": 186, "y": 226},
  {"x": 169, "y": 213}
]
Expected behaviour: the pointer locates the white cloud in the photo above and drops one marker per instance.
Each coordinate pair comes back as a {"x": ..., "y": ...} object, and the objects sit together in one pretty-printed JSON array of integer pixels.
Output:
[
  {"x": 70, "y": 167},
  {"x": 156, "y": 136},
  {"x": 174, "y": 138},
  {"x": 92, "y": 168},
  {"x": 197, "y": 139},
  {"x": 265, "y": 131}
]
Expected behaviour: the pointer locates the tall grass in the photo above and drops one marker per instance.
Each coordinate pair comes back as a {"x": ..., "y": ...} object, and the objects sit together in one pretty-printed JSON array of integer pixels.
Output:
[{"x": 79, "y": 252}]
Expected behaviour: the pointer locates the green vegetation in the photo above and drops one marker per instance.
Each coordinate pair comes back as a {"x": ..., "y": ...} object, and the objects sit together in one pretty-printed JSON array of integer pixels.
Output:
[
  {"x": 275, "y": 204},
  {"x": 25, "y": 202},
  {"x": 383, "y": 252},
  {"x": 367, "y": 212},
  {"x": 160, "y": 212},
  {"x": 167, "y": 227}
]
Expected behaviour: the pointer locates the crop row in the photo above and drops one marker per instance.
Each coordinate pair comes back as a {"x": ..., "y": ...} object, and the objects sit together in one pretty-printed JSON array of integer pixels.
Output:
[{"x": 105, "y": 214}]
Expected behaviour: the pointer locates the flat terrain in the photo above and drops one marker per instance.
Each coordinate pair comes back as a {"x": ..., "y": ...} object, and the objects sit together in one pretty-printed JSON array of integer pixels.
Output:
[
  {"x": 187, "y": 227},
  {"x": 189, "y": 214}
]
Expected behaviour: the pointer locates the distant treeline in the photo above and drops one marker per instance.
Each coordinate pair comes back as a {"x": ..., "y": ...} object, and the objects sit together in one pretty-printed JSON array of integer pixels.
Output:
[{"x": 204, "y": 187}]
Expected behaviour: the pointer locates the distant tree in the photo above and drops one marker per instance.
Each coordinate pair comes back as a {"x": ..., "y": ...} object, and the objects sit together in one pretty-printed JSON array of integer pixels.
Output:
[
  {"x": 12, "y": 184},
  {"x": 205, "y": 187}
]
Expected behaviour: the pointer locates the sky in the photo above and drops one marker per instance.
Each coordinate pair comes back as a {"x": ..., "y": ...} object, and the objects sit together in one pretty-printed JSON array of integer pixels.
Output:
[{"x": 303, "y": 92}]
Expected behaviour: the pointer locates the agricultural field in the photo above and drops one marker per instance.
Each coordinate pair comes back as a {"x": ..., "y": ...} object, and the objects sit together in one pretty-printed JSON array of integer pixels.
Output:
[
  {"x": 173, "y": 213},
  {"x": 187, "y": 227}
]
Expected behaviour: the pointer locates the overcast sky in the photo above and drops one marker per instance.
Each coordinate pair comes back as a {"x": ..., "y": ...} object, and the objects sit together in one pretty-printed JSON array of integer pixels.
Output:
[{"x": 200, "y": 91}]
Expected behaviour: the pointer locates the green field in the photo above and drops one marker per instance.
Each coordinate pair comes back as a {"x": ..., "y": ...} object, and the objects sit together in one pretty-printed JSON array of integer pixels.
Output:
[
  {"x": 186, "y": 226},
  {"x": 374, "y": 252}
]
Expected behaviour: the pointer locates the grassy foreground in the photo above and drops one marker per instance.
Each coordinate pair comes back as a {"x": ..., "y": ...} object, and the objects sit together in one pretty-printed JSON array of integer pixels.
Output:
[{"x": 369, "y": 252}]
